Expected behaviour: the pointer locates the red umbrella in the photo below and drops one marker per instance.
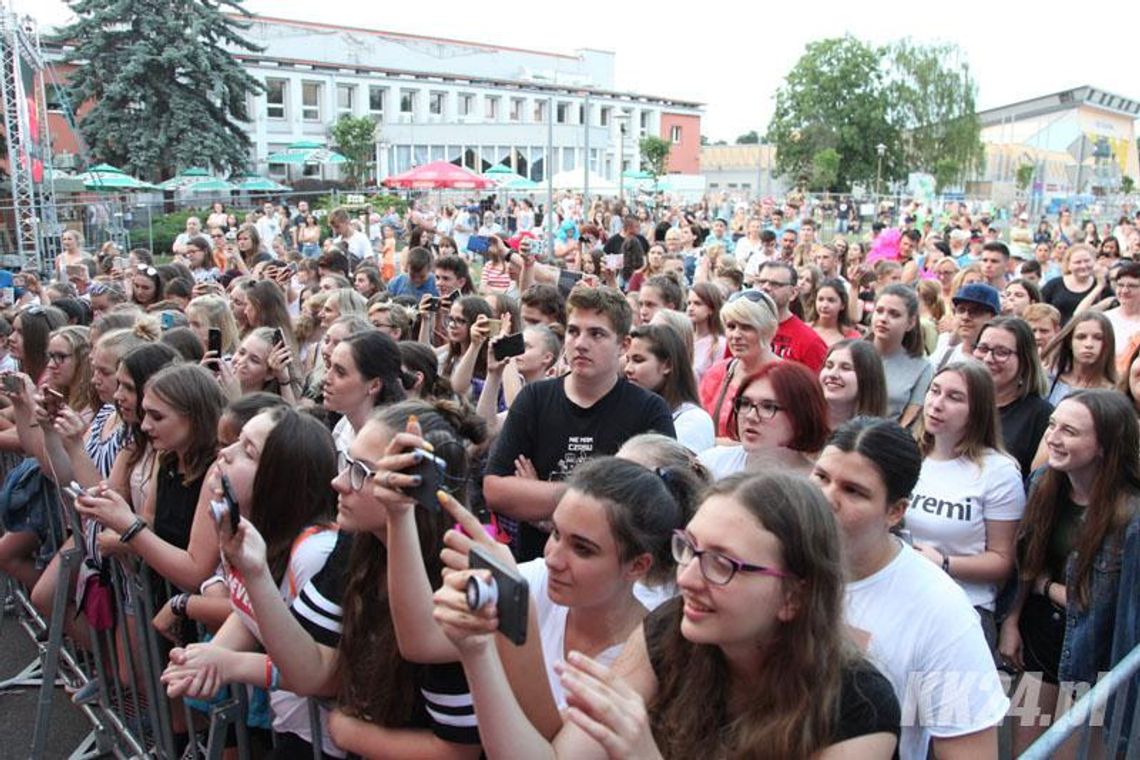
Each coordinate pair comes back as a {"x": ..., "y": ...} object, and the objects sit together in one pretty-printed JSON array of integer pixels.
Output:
[{"x": 439, "y": 175}]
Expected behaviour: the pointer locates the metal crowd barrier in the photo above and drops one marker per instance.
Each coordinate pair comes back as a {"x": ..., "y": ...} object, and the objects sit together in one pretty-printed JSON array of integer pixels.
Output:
[
  {"x": 132, "y": 716},
  {"x": 1114, "y": 696}
]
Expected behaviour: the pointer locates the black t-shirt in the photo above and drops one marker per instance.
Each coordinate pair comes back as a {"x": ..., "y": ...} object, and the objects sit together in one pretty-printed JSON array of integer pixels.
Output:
[
  {"x": 556, "y": 434},
  {"x": 443, "y": 706},
  {"x": 1022, "y": 424},
  {"x": 1057, "y": 294},
  {"x": 867, "y": 702},
  {"x": 614, "y": 244}
]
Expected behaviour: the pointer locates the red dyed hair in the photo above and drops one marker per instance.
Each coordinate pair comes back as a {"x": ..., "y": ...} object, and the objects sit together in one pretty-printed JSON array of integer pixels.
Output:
[{"x": 798, "y": 391}]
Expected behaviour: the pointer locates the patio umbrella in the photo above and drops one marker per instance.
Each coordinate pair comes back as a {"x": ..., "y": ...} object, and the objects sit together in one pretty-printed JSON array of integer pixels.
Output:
[
  {"x": 439, "y": 175},
  {"x": 107, "y": 177},
  {"x": 499, "y": 171},
  {"x": 197, "y": 180},
  {"x": 518, "y": 182},
  {"x": 253, "y": 183},
  {"x": 572, "y": 180},
  {"x": 305, "y": 152}
]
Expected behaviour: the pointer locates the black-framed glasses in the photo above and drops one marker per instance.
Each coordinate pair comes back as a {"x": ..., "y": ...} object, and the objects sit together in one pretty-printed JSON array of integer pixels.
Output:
[
  {"x": 58, "y": 357},
  {"x": 1000, "y": 353},
  {"x": 358, "y": 472},
  {"x": 764, "y": 409},
  {"x": 718, "y": 569}
]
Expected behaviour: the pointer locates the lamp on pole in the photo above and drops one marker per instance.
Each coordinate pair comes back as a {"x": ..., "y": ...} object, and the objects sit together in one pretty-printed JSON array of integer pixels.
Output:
[
  {"x": 880, "y": 149},
  {"x": 621, "y": 117}
]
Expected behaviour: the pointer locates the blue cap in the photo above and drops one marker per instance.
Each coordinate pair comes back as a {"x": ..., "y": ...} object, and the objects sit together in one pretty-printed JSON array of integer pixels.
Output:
[{"x": 981, "y": 294}]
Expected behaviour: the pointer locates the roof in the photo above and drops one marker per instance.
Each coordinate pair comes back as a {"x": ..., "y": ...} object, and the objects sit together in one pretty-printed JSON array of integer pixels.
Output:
[
  {"x": 1075, "y": 97},
  {"x": 520, "y": 84},
  {"x": 722, "y": 157}
]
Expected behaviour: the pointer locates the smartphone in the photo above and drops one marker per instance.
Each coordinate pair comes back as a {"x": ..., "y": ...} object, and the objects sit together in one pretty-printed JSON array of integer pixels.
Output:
[
  {"x": 278, "y": 337},
  {"x": 431, "y": 470},
  {"x": 494, "y": 325},
  {"x": 11, "y": 382},
  {"x": 214, "y": 342},
  {"x": 614, "y": 261},
  {"x": 53, "y": 401},
  {"x": 227, "y": 505},
  {"x": 74, "y": 490},
  {"x": 120, "y": 263},
  {"x": 7, "y": 296},
  {"x": 167, "y": 320},
  {"x": 511, "y": 345},
  {"x": 433, "y": 303},
  {"x": 567, "y": 280},
  {"x": 507, "y": 590}
]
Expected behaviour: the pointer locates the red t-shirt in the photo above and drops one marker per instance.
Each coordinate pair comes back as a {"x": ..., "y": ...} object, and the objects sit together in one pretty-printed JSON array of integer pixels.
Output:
[{"x": 795, "y": 340}]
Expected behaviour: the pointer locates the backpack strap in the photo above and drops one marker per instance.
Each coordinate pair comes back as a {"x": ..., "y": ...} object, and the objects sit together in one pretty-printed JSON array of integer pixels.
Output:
[{"x": 723, "y": 392}]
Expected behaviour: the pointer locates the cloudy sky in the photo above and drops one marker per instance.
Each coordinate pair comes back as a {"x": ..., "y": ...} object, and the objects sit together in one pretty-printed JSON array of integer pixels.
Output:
[{"x": 732, "y": 56}]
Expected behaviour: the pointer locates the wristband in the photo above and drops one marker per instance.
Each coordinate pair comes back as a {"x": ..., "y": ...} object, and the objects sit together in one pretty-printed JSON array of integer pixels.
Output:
[
  {"x": 946, "y": 563},
  {"x": 136, "y": 527},
  {"x": 179, "y": 604}
]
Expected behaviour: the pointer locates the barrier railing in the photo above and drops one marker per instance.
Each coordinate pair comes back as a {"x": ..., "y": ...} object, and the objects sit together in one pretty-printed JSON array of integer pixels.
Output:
[
  {"x": 1113, "y": 696},
  {"x": 130, "y": 714}
]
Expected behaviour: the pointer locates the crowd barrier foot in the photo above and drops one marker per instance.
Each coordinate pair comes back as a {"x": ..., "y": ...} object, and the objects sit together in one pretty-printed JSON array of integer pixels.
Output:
[{"x": 31, "y": 677}]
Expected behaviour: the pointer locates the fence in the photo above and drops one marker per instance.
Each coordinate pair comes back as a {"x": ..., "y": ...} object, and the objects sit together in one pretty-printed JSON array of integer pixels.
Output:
[{"x": 131, "y": 716}]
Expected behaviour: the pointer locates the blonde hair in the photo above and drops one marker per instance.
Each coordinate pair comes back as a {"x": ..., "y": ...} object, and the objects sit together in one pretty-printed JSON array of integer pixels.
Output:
[{"x": 760, "y": 315}]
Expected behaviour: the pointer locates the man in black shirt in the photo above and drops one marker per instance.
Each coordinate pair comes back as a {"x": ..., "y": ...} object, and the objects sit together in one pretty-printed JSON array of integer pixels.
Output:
[
  {"x": 556, "y": 424},
  {"x": 630, "y": 227}
]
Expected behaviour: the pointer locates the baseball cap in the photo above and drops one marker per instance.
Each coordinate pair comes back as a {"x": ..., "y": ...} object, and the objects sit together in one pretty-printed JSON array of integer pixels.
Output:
[{"x": 981, "y": 294}]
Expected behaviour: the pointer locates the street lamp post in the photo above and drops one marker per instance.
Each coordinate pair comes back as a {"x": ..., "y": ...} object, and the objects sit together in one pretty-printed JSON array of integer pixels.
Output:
[
  {"x": 880, "y": 149},
  {"x": 621, "y": 118}
]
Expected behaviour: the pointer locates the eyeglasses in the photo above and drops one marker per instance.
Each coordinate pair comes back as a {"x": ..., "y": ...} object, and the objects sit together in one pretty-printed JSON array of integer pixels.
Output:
[
  {"x": 764, "y": 409},
  {"x": 58, "y": 357},
  {"x": 358, "y": 472},
  {"x": 718, "y": 569},
  {"x": 459, "y": 321},
  {"x": 1000, "y": 353}
]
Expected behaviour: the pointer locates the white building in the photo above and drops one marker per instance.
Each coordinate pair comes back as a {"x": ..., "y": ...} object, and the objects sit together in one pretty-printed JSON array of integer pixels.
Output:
[{"x": 460, "y": 101}]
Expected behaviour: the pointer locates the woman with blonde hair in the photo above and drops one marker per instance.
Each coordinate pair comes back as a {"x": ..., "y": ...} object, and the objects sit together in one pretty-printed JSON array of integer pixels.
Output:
[{"x": 211, "y": 312}]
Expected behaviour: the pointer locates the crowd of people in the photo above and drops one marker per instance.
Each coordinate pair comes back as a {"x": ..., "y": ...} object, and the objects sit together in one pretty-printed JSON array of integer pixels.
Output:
[{"x": 767, "y": 494}]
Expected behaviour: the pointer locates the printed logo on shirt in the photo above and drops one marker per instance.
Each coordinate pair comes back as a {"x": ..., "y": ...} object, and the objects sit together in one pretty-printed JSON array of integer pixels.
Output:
[
  {"x": 951, "y": 510},
  {"x": 579, "y": 448}
]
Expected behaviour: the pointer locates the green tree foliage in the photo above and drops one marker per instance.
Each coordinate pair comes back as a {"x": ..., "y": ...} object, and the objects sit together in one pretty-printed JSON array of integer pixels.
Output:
[
  {"x": 355, "y": 139},
  {"x": 946, "y": 173},
  {"x": 931, "y": 100},
  {"x": 749, "y": 138},
  {"x": 825, "y": 169},
  {"x": 654, "y": 155},
  {"x": 164, "y": 90},
  {"x": 1127, "y": 184},
  {"x": 833, "y": 98},
  {"x": 1024, "y": 176}
]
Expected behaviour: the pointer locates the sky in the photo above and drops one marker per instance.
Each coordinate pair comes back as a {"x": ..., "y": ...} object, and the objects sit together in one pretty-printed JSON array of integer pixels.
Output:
[{"x": 734, "y": 57}]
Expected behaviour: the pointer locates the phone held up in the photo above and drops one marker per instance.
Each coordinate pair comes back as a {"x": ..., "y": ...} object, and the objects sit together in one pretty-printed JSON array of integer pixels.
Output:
[
  {"x": 506, "y": 347},
  {"x": 507, "y": 590},
  {"x": 226, "y": 506}
]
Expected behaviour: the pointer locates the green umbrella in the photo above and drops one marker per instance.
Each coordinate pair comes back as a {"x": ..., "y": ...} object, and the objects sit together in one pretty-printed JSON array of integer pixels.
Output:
[
  {"x": 305, "y": 152},
  {"x": 499, "y": 170},
  {"x": 107, "y": 177},
  {"x": 197, "y": 180},
  {"x": 638, "y": 174},
  {"x": 518, "y": 182},
  {"x": 252, "y": 183}
]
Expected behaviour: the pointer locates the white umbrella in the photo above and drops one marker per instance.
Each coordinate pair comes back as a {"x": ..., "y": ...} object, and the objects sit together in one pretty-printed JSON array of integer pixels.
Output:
[{"x": 574, "y": 180}]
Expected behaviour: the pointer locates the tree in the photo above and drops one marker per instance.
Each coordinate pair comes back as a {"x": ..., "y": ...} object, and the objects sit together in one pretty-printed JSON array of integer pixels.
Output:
[
  {"x": 749, "y": 138},
  {"x": 825, "y": 169},
  {"x": 1025, "y": 176},
  {"x": 355, "y": 139},
  {"x": 946, "y": 173},
  {"x": 165, "y": 91},
  {"x": 931, "y": 101},
  {"x": 654, "y": 155},
  {"x": 1127, "y": 184},
  {"x": 833, "y": 98}
]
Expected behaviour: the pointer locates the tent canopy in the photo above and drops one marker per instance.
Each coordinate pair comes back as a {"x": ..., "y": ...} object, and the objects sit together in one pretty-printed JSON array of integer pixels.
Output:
[{"x": 437, "y": 175}]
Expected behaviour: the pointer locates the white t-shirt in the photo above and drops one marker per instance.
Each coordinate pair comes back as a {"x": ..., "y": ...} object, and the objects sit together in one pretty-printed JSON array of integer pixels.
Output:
[
  {"x": 1123, "y": 328},
  {"x": 358, "y": 245},
  {"x": 926, "y": 639},
  {"x": 694, "y": 427},
  {"x": 951, "y": 503},
  {"x": 723, "y": 461},
  {"x": 957, "y": 352},
  {"x": 552, "y": 627},
  {"x": 343, "y": 435}
]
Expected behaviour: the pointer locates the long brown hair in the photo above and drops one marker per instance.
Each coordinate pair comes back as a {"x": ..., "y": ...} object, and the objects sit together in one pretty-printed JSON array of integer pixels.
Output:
[
  {"x": 1058, "y": 353},
  {"x": 795, "y": 700},
  {"x": 1109, "y": 507},
  {"x": 983, "y": 427},
  {"x": 376, "y": 683}
]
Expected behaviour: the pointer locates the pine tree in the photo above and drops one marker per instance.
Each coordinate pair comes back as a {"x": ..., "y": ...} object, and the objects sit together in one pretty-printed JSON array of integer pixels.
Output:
[{"x": 163, "y": 89}]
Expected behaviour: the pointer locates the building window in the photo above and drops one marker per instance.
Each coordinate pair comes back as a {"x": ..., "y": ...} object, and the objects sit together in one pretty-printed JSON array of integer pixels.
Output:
[
  {"x": 517, "y": 109},
  {"x": 539, "y": 111},
  {"x": 675, "y": 134},
  {"x": 311, "y": 101},
  {"x": 435, "y": 103},
  {"x": 466, "y": 103},
  {"x": 562, "y": 113},
  {"x": 275, "y": 98},
  {"x": 345, "y": 99},
  {"x": 491, "y": 109},
  {"x": 407, "y": 101},
  {"x": 581, "y": 113},
  {"x": 644, "y": 122},
  {"x": 376, "y": 101},
  {"x": 604, "y": 116}
]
